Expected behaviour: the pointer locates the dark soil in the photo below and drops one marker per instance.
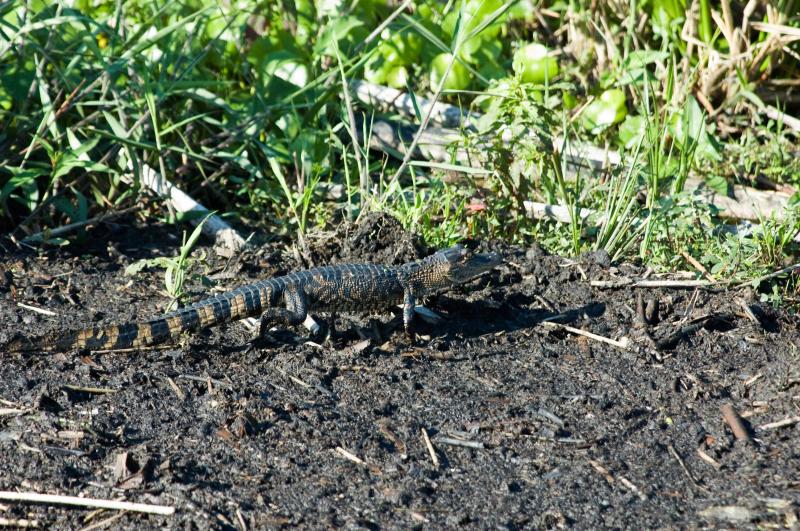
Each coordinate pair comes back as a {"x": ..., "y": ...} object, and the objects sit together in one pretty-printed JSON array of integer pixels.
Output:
[{"x": 532, "y": 426}]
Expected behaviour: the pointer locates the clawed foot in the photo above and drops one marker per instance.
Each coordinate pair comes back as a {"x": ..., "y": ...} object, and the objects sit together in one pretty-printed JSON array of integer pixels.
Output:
[
  {"x": 261, "y": 340},
  {"x": 410, "y": 337}
]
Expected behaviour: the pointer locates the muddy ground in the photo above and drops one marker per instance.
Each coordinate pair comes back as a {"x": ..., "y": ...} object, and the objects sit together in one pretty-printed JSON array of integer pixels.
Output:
[{"x": 530, "y": 425}]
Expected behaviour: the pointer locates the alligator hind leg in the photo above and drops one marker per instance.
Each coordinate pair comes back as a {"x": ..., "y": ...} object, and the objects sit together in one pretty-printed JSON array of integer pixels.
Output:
[{"x": 293, "y": 315}]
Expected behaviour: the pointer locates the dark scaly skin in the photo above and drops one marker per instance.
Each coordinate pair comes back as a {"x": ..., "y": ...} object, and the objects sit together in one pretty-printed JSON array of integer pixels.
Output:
[{"x": 288, "y": 299}]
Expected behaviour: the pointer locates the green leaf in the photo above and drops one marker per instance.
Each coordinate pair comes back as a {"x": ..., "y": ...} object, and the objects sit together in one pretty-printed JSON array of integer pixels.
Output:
[{"x": 719, "y": 184}]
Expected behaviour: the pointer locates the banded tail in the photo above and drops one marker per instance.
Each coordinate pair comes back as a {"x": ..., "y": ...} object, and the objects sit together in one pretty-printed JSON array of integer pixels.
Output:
[{"x": 245, "y": 301}]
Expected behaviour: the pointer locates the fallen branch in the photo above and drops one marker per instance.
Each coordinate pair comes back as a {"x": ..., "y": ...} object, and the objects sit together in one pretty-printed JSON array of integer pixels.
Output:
[
  {"x": 215, "y": 227},
  {"x": 34, "y": 497},
  {"x": 436, "y": 143}
]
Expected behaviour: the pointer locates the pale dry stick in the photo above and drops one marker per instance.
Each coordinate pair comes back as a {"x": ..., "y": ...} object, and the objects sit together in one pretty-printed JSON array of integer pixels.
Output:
[
  {"x": 633, "y": 488},
  {"x": 240, "y": 518},
  {"x": 214, "y": 227},
  {"x": 788, "y": 121},
  {"x": 10, "y": 411},
  {"x": 37, "y": 310},
  {"x": 753, "y": 380},
  {"x": 769, "y": 276},
  {"x": 697, "y": 265},
  {"x": 35, "y": 497},
  {"x": 429, "y": 446},
  {"x": 202, "y": 379},
  {"x": 350, "y": 457},
  {"x": 753, "y": 319},
  {"x": 681, "y": 462},
  {"x": 603, "y": 471},
  {"x": 475, "y": 445},
  {"x": 780, "y": 29},
  {"x": 178, "y": 391},
  {"x": 443, "y": 113},
  {"x": 652, "y": 283},
  {"x": 779, "y": 424},
  {"x": 708, "y": 459},
  {"x": 614, "y": 343}
]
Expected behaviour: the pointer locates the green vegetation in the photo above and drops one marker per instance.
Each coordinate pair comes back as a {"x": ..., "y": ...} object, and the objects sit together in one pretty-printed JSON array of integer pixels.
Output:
[{"x": 247, "y": 107}]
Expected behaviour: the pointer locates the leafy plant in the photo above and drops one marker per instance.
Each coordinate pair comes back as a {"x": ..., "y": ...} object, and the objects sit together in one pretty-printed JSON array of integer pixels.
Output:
[{"x": 176, "y": 269}]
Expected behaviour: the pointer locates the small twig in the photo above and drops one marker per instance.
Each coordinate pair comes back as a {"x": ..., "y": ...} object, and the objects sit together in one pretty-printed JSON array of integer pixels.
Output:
[
  {"x": 35, "y": 497},
  {"x": 779, "y": 424},
  {"x": 748, "y": 311},
  {"x": 633, "y": 488},
  {"x": 697, "y": 265},
  {"x": 475, "y": 445},
  {"x": 552, "y": 417},
  {"x": 603, "y": 471},
  {"x": 753, "y": 380},
  {"x": 628, "y": 283},
  {"x": 90, "y": 390},
  {"x": 357, "y": 460},
  {"x": 35, "y": 309},
  {"x": 429, "y": 446},
  {"x": 680, "y": 461},
  {"x": 671, "y": 340},
  {"x": 778, "y": 273},
  {"x": 610, "y": 479},
  {"x": 178, "y": 390},
  {"x": 240, "y": 518},
  {"x": 735, "y": 422},
  {"x": 708, "y": 459},
  {"x": 619, "y": 344},
  {"x": 350, "y": 457},
  {"x": 383, "y": 25}
]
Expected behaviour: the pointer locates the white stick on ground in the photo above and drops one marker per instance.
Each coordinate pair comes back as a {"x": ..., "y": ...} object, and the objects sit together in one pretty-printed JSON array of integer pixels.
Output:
[
  {"x": 225, "y": 235},
  {"x": 35, "y": 497},
  {"x": 623, "y": 344}
]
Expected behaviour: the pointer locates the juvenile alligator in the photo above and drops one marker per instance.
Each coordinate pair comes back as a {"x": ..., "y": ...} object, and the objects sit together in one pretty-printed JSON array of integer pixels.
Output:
[{"x": 338, "y": 288}]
